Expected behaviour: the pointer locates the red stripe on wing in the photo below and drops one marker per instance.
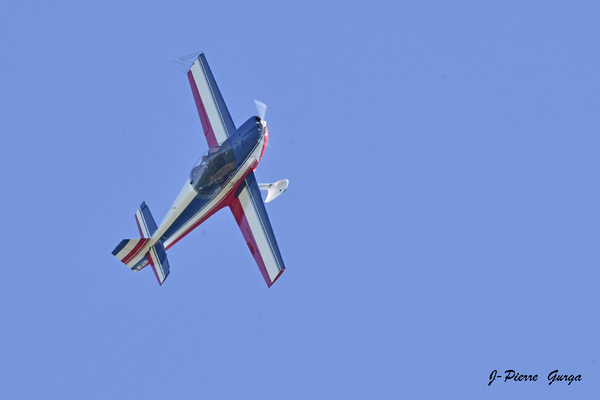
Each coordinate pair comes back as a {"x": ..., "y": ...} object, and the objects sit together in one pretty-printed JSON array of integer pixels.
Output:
[{"x": 240, "y": 218}]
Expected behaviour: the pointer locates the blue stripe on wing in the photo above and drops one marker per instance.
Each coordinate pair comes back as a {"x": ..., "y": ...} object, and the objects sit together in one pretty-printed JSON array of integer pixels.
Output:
[
  {"x": 217, "y": 97},
  {"x": 259, "y": 206}
]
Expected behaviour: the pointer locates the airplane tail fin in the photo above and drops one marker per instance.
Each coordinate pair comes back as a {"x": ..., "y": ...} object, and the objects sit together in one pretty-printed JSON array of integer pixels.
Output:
[
  {"x": 136, "y": 254},
  {"x": 129, "y": 251}
]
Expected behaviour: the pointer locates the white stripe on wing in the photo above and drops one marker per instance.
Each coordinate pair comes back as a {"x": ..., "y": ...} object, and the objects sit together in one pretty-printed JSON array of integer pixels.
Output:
[
  {"x": 259, "y": 234},
  {"x": 208, "y": 100}
]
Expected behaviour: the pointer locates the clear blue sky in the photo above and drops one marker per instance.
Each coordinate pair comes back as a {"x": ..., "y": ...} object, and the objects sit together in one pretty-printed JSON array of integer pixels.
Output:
[{"x": 442, "y": 219}]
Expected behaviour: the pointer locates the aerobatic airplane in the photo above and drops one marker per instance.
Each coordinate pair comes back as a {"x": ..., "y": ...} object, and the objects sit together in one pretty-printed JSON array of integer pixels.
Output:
[{"x": 222, "y": 177}]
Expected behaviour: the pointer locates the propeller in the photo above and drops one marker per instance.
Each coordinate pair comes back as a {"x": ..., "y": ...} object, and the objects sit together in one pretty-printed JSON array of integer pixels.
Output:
[{"x": 261, "y": 108}]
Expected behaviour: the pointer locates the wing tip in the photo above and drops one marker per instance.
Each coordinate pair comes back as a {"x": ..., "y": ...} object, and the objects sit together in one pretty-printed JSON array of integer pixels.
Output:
[{"x": 277, "y": 277}]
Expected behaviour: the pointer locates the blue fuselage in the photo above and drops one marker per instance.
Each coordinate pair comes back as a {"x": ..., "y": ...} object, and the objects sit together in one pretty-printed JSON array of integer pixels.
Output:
[{"x": 216, "y": 174}]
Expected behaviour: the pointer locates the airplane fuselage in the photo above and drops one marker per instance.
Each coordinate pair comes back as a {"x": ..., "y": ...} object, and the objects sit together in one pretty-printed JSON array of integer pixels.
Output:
[{"x": 213, "y": 181}]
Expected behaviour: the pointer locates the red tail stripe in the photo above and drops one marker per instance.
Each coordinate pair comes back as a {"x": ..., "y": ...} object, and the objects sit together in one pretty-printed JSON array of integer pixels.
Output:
[
  {"x": 134, "y": 251},
  {"x": 139, "y": 226}
]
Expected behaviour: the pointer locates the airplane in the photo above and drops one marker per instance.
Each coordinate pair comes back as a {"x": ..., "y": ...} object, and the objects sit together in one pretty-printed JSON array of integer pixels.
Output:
[{"x": 222, "y": 177}]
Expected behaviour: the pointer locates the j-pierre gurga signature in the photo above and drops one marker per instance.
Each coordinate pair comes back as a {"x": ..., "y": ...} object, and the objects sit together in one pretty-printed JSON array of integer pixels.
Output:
[{"x": 517, "y": 377}]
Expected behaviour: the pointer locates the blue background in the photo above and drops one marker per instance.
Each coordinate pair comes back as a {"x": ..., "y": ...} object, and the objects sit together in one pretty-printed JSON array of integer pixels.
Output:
[{"x": 442, "y": 219}]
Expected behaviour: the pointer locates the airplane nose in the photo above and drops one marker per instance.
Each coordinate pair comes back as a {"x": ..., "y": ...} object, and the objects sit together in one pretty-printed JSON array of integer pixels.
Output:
[{"x": 266, "y": 137}]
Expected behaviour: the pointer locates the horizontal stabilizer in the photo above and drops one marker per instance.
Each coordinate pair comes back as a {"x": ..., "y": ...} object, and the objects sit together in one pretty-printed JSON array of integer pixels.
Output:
[
  {"x": 138, "y": 253},
  {"x": 158, "y": 258},
  {"x": 145, "y": 221}
]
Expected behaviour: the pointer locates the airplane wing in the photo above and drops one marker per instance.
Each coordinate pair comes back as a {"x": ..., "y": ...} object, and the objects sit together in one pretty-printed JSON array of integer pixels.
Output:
[
  {"x": 214, "y": 115},
  {"x": 250, "y": 213}
]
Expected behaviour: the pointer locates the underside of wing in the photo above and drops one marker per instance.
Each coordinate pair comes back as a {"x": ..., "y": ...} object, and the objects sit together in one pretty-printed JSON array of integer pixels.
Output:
[
  {"x": 214, "y": 115},
  {"x": 250, "y": 213}
]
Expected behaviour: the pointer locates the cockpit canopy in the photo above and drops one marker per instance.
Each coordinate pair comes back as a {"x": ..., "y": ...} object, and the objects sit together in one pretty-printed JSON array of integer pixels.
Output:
[{"x": 213, "y": 169}]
